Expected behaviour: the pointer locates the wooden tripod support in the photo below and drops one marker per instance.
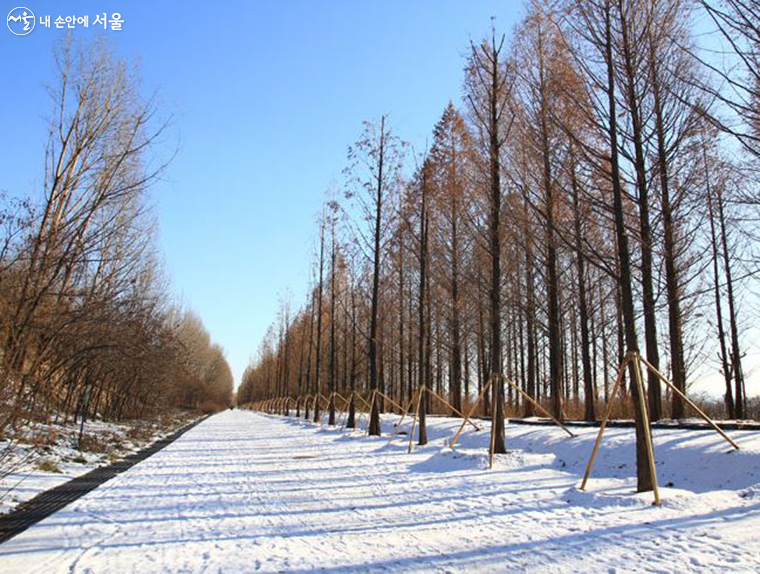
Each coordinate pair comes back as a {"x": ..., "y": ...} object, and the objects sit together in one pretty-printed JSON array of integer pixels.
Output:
[
  {"x": 416, "y": 399},
  {"x": 414, "y": 420},
  {"x": 404, "y": 412},
  {"x": 361, "y": 412},
  {"x": 347, "y": 405},
  {"x": 469, "y": 414},
  {"x": 371, "y": 406},
  {"x": 637, "y": 360},
  {"x": 493, "y": 436},
  {"x": 448, "y": 404},
  {"x": 536, "y": 404},
  {"x": 342, "y": 398},
  {"x": 327, "y": 400},
  {"x": 390, "y": 400}
]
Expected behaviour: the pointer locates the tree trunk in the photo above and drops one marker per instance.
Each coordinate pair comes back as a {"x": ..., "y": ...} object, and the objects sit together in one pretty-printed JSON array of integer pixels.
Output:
[
  {"x": 740, "y": 400},
  {"x": 644, "y": 480},
  {"x": 374, "y": 418},
  {"x": 424, "y": 338},
  {"x": 494, "y": 232},
  {"x": 650, "y": 319},
  {"x": 318, "y": 363},
  {"x": 333, "y": 356},
  {"x": 724, "y": 359},
  {"x": 589, "y": 411}
]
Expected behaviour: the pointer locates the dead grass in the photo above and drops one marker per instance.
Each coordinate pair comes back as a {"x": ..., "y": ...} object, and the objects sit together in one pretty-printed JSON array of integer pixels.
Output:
[
  {"x": 96, "y": 444},
  {"x": 47, "y": 465},
  {"x": 140, "y": 433}
]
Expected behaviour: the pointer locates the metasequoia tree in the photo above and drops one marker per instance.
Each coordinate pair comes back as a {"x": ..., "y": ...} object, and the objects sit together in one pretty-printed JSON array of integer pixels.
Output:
[
  {"x": 422, "y": 185},
  {"x": 317, "y": 387},
  {"x": 450, "y": 166},
  {"x": 332, "y": 380},
  {"x": 594, "y": 22},
  {"x": 539, "y": 82},
  {"x": 488, "y": 85},
  {"x": 374, "y": 168}
]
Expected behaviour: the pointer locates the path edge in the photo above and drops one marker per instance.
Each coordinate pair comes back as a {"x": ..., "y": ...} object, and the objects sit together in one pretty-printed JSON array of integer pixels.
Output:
[{"x": 49, "y": 502}]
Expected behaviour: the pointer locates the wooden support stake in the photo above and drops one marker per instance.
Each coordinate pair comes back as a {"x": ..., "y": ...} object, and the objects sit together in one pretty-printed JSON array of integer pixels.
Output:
[
  {"x": 690, "y": 403},
  {"x": 472, "y": 410},
  {"x": 405, "y": 411},
  {"x": 342, "y": 398},
  {"x": 444, "y": 401},
  {"x": 371, "y": 408},
  {"x": 613, "y": 396},
  {"x": 358, "y": 396},
  {"x": 493, "y": 439},
  {"x": 644, "y": 409},
  {"x": 414, "y": 421},
  {"x": 390, "y": 400},
  {"x": 536, "y": 404}
]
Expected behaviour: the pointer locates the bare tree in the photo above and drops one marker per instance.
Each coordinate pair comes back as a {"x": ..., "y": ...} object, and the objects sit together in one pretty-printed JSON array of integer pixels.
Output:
[
  {"x": 374, "y": 168},
  {"x": 488, "y": 86}
]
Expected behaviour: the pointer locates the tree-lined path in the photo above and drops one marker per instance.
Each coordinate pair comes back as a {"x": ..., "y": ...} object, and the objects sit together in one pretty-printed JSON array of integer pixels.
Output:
[{"x": 242, "y": 492}]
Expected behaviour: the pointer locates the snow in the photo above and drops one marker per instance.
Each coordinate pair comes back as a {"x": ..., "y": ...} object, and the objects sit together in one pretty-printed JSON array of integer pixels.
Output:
[
  {"x": 47, "y": 455},
  {"x": 245, "y": 492}
]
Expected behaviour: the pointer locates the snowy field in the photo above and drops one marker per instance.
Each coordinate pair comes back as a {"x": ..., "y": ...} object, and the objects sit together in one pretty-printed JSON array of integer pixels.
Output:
[{"x": 245, "y": 492}]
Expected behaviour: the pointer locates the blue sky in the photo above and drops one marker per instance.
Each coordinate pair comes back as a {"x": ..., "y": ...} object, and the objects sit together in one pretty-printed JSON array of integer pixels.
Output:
[{"x": 266, "y": 96}]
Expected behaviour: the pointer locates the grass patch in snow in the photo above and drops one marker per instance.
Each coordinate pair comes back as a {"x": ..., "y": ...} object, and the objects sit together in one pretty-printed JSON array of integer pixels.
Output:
[{"x": 48, "y": 465}]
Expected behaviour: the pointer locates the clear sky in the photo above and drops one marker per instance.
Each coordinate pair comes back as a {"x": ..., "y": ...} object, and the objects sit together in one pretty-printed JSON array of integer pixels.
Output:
[{"x": 266, "y": 96}]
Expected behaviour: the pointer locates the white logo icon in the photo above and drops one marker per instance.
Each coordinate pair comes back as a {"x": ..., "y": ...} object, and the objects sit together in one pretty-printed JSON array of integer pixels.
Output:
[{"x": 21, "y": 21}]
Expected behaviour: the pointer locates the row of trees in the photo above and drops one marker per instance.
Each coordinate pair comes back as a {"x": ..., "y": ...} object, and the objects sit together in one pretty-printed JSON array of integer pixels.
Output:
[
  {"x": 85, "y": 325},
  {"x": 595, "y": 195}
]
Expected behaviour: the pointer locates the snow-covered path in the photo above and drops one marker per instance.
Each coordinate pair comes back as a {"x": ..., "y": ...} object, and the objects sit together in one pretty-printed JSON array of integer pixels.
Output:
[{"x": 243, "y": 492}]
